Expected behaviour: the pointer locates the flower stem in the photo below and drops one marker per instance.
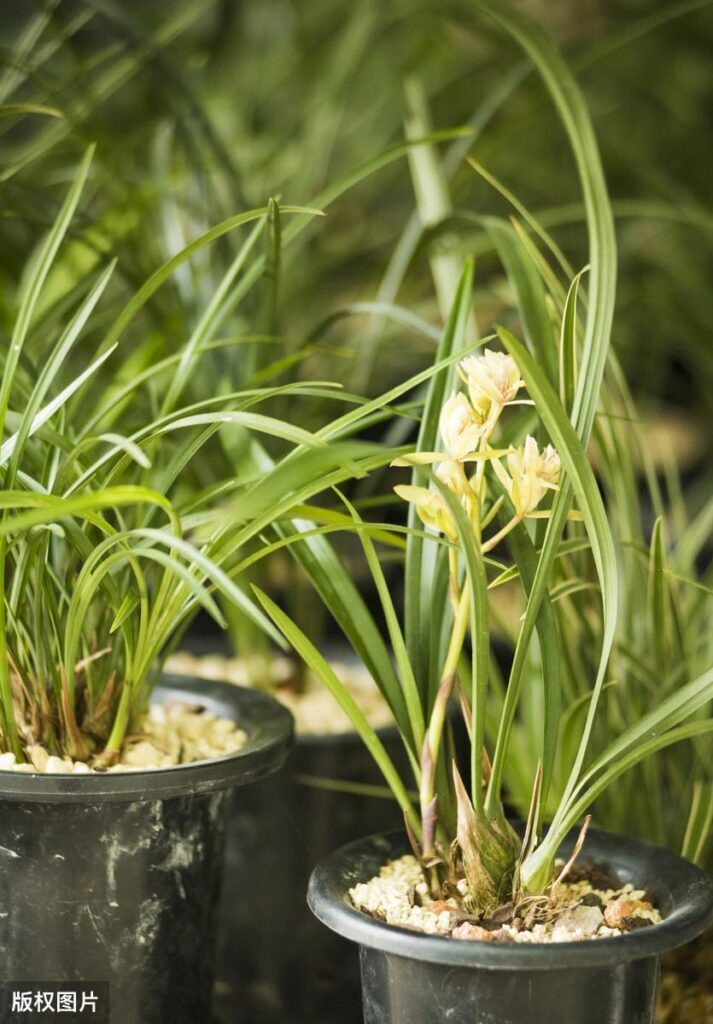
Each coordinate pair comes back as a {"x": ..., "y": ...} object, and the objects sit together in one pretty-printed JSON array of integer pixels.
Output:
[
  {"x": 434, "y": 735},
  {"x": 501, "y": 534}
]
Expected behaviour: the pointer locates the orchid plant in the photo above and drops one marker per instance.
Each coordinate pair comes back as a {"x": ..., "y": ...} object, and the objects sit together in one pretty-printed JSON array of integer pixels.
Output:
[
  {"x": 479, "y": 516},
  {"x": 467, "y": 424},
  {"x": 497, "y": 499},
  {"x": 662, "y": 627},
  {"x": 107, "y": 547}
]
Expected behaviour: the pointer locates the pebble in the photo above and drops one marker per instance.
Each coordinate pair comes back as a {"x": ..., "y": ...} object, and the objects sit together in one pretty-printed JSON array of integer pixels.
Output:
[
  {"x": 143, "y": 754},
  {"x": 619, "y": 913},
  {"x": 580, "y": 923},
  {"x": 442, "y": 906},
  {"x": 57, "y": 766},
  {"x": 38, "y": 757},
  {"x": 472, "y": 932}
]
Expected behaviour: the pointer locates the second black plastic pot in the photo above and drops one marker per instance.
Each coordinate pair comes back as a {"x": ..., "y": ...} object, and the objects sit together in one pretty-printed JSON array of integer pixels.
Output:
[
  {"x": 294, "y": 971},
  {"x": 410, "y": 978},
  {"x": 113, "y": 879}
]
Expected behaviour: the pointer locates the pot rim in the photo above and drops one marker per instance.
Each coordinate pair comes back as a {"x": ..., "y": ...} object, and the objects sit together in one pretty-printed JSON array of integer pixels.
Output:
[
  {"x": 269, "y": 728},
  {"x": 687, "y": 888}
]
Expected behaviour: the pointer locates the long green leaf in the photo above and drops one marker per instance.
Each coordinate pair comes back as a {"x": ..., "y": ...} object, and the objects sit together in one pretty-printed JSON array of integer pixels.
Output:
[
  {"x": 311, "y": 656},
  {"x": 398, "y": 645},
  {"x": 700, "y": 822},
  {"x": 480, "y": 641},
  {"x": 418, "y": 592},
  {"x": 582, "y": 480},
  {"x": 208, "y": 323},
  {"x": 171, "y": 265},
  {"x": 600, "y": 223},
  {"x": 529, "y": 293}
]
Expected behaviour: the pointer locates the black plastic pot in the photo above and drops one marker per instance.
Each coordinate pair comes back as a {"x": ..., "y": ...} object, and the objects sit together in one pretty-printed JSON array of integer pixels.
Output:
[
  {"x": 294, "y": 971},
  {"x": 410, "y": 978},
  {"x": 114, "y": 878}
]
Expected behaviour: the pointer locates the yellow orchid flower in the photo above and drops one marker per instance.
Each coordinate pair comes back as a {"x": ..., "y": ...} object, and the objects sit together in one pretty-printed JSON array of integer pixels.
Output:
[
  {"x": 461, "y": 427},
  {"x": 532, "y": 473}
]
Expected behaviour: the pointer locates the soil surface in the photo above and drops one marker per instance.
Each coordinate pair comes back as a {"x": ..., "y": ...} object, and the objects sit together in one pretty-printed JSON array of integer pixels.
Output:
[
  {"x": 169, "y": 734},
  {"x": 586, "y": 905}
]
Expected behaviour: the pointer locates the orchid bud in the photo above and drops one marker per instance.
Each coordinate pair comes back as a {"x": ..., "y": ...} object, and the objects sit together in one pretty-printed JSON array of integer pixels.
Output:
[{"x": 431, "y": 508}]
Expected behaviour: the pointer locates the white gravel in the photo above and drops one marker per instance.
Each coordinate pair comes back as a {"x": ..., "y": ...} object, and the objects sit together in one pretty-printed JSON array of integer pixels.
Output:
[
  {"x": 168, "y": 735},
  {"x": 399, "y": 896}
]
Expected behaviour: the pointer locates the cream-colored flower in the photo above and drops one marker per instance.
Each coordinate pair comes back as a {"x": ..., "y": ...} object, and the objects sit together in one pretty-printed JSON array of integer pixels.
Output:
[
  {"x": 532, "y": 472},
  {"x": 431, "y": 508},
  {"x": 453, "y": 475},
  {"x": 492, "y": 379},
  {"x": 461, "y": 427}
]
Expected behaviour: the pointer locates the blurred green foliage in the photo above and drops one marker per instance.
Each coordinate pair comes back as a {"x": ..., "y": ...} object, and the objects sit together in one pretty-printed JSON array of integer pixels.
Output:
[{"x": 210, "y": 107}]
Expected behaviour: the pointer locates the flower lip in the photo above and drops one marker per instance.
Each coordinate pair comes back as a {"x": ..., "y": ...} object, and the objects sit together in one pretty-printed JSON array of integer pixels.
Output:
[{"x": 532, "y": 473}]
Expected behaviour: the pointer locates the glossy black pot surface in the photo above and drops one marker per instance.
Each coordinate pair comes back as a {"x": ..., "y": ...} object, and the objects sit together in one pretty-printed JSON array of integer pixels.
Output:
[
  {"x": 410, "y": 978},
  {"x": 113, "y": 879}
]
